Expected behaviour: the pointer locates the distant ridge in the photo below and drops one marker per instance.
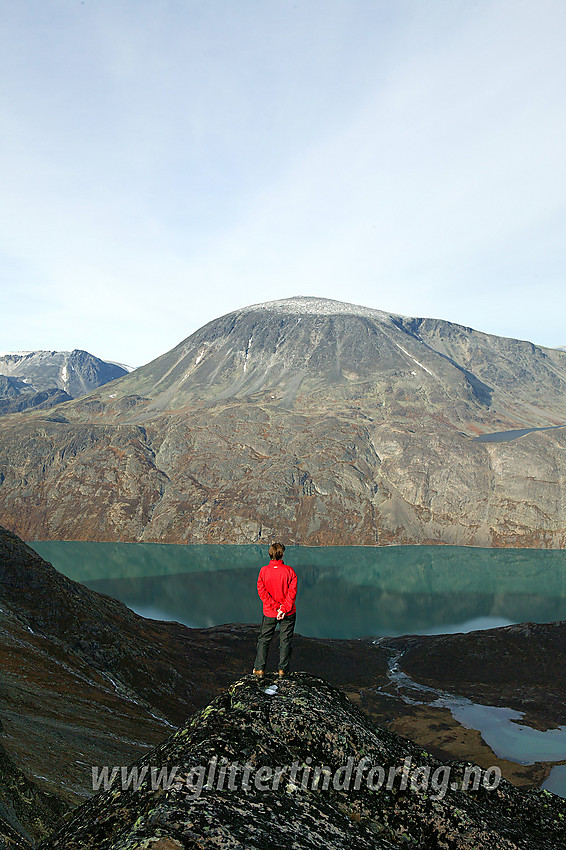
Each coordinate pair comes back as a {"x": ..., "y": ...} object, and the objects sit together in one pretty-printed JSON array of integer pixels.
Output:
[{"x": 42, "y": 379}]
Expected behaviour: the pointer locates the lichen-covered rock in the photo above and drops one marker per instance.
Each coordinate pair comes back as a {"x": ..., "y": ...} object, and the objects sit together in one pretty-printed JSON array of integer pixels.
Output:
[
  {"x": 26, "y": 813},
  {"x": 304, "y": 724}
]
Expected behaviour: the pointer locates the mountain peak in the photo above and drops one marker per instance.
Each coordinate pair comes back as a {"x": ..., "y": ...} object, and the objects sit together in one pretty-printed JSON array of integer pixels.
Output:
[
  {"x": 74, "y": 372},
  {"x": 341, "y": 424},
  {"x": 313, "y": 306}
]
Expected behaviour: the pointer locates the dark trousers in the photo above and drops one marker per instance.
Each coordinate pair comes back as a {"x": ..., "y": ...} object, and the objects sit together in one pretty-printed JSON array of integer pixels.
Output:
[{"x": 266, "y": 632}]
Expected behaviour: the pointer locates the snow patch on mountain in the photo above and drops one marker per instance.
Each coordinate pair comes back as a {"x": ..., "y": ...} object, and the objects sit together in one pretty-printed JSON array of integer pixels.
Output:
[{"x": 309, "y": 305}]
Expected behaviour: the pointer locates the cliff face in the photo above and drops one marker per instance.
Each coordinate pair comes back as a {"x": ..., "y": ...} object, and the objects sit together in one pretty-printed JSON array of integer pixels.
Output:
[
  {"x": 313, "y": 420},
  {"x": 305, "y": 724}
]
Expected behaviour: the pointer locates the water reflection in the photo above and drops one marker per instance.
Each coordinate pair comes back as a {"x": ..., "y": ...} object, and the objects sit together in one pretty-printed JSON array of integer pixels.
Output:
[{"x": 344, "y": 591}]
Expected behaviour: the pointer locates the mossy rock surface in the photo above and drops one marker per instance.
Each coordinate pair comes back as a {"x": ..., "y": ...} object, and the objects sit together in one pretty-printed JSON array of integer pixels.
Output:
[{"x": 308, "y": 723}]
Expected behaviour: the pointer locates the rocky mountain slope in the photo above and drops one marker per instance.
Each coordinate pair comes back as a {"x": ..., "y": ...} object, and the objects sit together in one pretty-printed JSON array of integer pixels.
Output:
[
  {"x": 16, "y": 395},
  {"x": 85, "y": 682},
  {"x": 46, "y": 378},
  {"x": 26, "y": 813},
  {"x": 313, "y": 420},
  {"x": 84, "y": 675},
  {"x": 306, "y": 723}
]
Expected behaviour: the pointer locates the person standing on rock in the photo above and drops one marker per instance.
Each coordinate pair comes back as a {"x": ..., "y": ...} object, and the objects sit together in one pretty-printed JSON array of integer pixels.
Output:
[{"x": 277, "y": 589}]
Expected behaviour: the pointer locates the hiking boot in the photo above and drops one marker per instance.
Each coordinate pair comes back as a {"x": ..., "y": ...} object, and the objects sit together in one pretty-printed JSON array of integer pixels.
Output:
[{"x": 258, "y": 673}]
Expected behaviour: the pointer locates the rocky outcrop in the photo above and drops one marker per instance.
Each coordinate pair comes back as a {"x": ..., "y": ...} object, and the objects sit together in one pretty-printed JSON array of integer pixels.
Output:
[
  {"x": 11, "y": 387},
  {"x": 269, "y": 744},
  {"x": 87, "y": 682},
  {"x": 26, "y": 813},
  {"x": 17, "y": 395}
]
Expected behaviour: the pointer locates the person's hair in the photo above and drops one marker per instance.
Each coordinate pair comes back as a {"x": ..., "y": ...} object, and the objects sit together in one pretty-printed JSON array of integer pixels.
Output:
[{"x": 276, "y": 551}]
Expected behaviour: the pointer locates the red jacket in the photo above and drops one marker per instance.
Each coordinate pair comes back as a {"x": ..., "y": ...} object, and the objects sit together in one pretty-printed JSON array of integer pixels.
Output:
[{"x": 277, "y": 588}]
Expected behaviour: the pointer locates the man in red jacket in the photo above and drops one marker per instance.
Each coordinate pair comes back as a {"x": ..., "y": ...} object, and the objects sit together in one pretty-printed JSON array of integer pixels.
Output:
[{"x": 277, "y": 588}]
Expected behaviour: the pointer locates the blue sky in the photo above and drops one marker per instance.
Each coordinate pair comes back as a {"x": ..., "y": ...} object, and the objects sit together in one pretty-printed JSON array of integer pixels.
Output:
[{"x": 163, "y": 162}]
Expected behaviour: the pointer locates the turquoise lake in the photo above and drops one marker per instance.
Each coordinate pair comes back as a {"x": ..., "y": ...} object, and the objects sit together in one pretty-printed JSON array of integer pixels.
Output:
[
  {"x": 348, "y": 592},
  {"x": 344, "y": 592}
]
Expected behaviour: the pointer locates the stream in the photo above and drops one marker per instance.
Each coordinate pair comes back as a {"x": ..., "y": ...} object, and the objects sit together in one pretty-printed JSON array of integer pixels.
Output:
[{"x": 497, "y": 726}]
